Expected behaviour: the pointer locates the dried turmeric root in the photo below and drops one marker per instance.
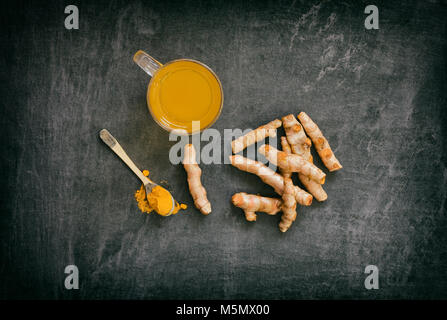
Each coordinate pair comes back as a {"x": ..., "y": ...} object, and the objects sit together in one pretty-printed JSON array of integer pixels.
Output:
[
  {"x": 300, "y": 145},
  {"x": 286, "y": 148},
  {"x": 299, "y": 142},
  {"x": 267, "y": 130},
  {"x": 251, "y": 204},
  {"x": 194, "y": 172},
  {"x": 270, "y": 177},
  {"x": 292, "y": 162},
  {"x": 313, "y": 187},
  {"x": 321, "y": 144},
  {"x": 288, "y": 206}
]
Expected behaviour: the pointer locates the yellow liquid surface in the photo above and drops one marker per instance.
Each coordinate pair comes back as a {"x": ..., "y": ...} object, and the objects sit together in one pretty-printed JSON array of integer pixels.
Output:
[{"x": 184, "y": 91}]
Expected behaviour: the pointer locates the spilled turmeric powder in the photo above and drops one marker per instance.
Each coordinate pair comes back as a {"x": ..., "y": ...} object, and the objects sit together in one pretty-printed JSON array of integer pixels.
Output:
[{"x": 159, "y": 200}]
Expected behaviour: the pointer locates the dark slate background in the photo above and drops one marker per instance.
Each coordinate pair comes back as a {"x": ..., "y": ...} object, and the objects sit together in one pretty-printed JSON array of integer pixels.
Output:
[{"x": 378, "y": 95}]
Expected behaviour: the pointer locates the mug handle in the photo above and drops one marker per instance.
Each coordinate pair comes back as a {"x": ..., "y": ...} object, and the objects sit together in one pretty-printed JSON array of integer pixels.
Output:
[{"x": 146, "y": 62}]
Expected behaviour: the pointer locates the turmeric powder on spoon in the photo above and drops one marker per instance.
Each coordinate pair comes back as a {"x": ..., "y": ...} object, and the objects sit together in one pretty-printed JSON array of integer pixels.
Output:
[{"x": 159, "y": 200}]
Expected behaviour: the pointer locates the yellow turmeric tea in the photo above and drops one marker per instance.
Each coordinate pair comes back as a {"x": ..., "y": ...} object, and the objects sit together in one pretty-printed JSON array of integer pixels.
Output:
[{"x": 183, "y": 91}]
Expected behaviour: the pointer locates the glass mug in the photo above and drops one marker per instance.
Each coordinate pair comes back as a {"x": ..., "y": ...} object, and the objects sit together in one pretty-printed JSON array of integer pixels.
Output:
[{"x": 180, "y": 92}]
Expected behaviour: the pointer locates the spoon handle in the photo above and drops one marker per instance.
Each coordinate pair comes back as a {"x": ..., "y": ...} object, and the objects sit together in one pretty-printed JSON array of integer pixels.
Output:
[{"x": 109, "y": 140}]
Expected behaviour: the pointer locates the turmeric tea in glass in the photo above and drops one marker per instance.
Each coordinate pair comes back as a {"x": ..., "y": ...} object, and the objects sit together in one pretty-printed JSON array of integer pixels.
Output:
[{"x": 180, "y": 92}]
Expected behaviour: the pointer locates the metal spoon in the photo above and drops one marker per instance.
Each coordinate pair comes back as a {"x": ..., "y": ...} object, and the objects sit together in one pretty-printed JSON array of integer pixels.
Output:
[{"x": 113, "y": 144}]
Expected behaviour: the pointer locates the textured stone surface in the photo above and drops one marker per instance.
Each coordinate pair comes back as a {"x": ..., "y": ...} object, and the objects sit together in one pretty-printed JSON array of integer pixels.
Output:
[{"x": 378, "y": 95}]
